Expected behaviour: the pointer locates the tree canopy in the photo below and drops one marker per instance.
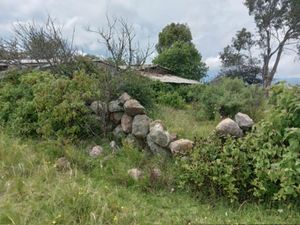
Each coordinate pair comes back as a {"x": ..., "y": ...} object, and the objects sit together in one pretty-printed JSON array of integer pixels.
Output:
[{"x": 178, "y": 53}]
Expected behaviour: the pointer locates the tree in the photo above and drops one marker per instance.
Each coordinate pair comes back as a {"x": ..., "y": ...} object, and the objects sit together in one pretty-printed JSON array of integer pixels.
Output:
[
  {"x": 44, "y": 42},
  {"x": 238, "y": 61},
  {"x": 278, "y": 23},
  {"x": 178, "y": 53},
  {"x": 119, "y": 36},
  {"x": 172, "y": 33}
]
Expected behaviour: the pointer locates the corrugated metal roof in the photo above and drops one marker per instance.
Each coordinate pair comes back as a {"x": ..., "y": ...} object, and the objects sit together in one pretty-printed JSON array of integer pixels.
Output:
[{"x": 168, "y": 78}]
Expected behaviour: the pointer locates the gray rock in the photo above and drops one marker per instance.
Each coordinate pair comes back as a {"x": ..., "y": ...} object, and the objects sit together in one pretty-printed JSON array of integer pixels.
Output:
[
  {"x": 181, "y": 146},
  {"x": 124, "y": 97},
  {"x": 155, "y": 148},
  {"x": 229, "y": 127},
  {"x": 132, "y": 107},
  {"x": 159, "y": 135},
  {"x": 96, "y": 151},
  {"x": 135, "y": 174},
  {"x": 99, "y": 108},
  {"x": 244, "y": 121},
  {"x": 140, "y": 126},
  {"x": 119, "y": 134},
  {"x": 116, "y": 117},
  {"x": 114, "y": 106},
  {"x": 126, "y": 123}
]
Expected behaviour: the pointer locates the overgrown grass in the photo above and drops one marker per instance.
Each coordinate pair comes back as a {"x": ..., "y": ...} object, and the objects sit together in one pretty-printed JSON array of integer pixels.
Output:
[
  {"x": 184, "y": 122},
  {"x": 99, "y": 191}
]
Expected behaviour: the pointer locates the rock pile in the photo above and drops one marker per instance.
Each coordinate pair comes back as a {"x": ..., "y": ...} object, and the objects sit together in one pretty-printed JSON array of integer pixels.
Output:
[
  {"x": 133, "y": 125},
  {"x": 241, "y": 123}
]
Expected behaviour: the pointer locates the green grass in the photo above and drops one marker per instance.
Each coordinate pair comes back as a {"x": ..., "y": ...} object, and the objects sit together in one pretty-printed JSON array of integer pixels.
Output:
[
  {"x": 99, "y": 191},
  {"x": 183, "y": 122}
]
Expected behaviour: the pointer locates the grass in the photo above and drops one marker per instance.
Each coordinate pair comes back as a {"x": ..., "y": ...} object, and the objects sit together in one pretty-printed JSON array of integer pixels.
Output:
[
  {"x": 183, "y": 122},
  {"x": 99, "y": 191}
]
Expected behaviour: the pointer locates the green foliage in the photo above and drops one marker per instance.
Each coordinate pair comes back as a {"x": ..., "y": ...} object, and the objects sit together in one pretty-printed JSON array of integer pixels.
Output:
[
  {"x": 227, "y": 97},
  {"x": 39, "y": 103},
  {"x": 171, "y": 99},
  {"x": 172, "y": 33},
  {"x": 136, "y": 86},
  {"x": 183, "y": 59},
  {"x": 264, "y": 164}
]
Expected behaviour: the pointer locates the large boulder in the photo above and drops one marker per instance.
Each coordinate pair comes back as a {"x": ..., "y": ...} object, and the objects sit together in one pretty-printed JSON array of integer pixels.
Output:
[
  {"x": 114, "y": 106},
  {"x": 123, "y": 98},
  {"x": 96, "y": 151},
  {"x": 98, "y": 107},
  {"x": 126, "y": 123},
  {"x": 155, "y": 148},
  {"x": 116, "y": 117},
  {"x": 244, "y": 121},
  {"x": 140, "y": 126},
  {"x": 181, "y": 146},
  {"x": 132, "y": 107},
  {"x": 229, "y": 127},
  {"x": 159, "y": 135}
]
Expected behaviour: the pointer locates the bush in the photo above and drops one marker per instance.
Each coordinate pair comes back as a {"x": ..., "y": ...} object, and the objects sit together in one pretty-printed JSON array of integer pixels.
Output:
[
  {"x": 172, "y": 99},
  {"x": 265, "y": 164},
  {"x": 38, "y": 103},
  {"x": 136, "y": 86}
]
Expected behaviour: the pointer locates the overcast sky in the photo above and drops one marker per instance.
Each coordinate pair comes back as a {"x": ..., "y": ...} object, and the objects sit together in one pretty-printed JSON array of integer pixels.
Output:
[{"x": 213, "y": 22}]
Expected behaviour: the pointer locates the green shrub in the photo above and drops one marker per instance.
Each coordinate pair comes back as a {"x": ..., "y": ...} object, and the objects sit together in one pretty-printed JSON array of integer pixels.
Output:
[
  {"x": 265, "y": 164},
  {"x": 136, "y": 86},
  {"x": 172, "y": 99},
  {"x": 38, "y": 103}
]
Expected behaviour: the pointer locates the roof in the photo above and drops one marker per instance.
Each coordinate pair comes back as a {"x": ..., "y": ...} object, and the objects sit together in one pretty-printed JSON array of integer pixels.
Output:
[{"x": 169, "y": 78}]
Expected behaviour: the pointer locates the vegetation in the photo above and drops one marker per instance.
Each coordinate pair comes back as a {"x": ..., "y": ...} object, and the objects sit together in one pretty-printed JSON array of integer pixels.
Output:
[
  {"x": 263, "y": 165},
  {"x": 178, "y": 53}
]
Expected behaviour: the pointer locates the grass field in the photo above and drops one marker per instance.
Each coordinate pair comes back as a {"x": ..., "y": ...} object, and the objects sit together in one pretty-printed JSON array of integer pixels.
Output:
[{"x": 98, "y": 191}]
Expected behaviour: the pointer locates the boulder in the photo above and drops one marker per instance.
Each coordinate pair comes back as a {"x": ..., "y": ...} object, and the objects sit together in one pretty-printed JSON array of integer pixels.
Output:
[
  {"x": 114, "y": 106},
  {"x": 155, "y": 148},
  {"x": 62, "y": 164},
  {"x": 140, "y": 126},
  {"x": 181, "y": 146},
  {"x": 116, "y": 117},
  {"x": 126, "y": 123},
  {"x": 123, "y": 98},
  {"x": 159, "y": 135},
  {"x": 118, "y": 133},
  {"x": 96, "y": 151},
  {"x": 135, "y": 174},
  {"x": 132, "y": 107},
  {"x": 229, "y": 127},
  {"x": 244, "y": 121},
  {"x": 98, "y": 107}
]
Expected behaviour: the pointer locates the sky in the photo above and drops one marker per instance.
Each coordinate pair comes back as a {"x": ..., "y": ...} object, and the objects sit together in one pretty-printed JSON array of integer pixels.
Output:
[{"x": 213, "y": 22}]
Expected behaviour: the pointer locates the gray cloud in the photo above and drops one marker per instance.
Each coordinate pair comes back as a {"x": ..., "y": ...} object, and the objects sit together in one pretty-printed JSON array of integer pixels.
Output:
[{"x": 213, "y": 23}]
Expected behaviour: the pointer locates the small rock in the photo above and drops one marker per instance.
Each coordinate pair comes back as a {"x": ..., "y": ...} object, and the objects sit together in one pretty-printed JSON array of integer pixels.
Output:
[
  {"x": 244, "y": 121},
  {"x": 229, "y": 127},
  {"x": 124, "y": 97},
  {"x": 96, "y": 151},
  {"x": 155, "y": 174},
  {"x": 99, "y": 107},
  {"x": 126, "y": 123},
  {"x": 132, "y": 107},
  {"x": 181, "y": 146},
  {"x": 114, "y": 106},
  {"x": 116, "y": 117},
  {"x": 140, "y": 126},
  {"x": 62, "y": 164},
  {"x": 135, "y": 174},
  {"x": 114, "y": 147}
]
